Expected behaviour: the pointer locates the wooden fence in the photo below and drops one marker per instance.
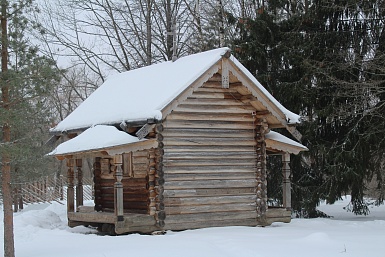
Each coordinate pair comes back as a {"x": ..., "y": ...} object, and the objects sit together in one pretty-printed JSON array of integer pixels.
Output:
[{"x": 46, "y": 189}]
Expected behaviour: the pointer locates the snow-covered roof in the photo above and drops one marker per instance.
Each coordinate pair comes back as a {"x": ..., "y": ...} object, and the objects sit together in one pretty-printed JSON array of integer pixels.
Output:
[
  {"x": 95, "y": 138},
  {"x": 291, "y": 117},
  {"x": 279, "y": 142},
  {"x": 141, "y": 94}
]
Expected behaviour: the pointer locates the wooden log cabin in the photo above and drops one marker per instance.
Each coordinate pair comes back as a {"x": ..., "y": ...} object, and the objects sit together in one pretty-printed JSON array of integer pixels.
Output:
[{"x": 178, "y": 145}]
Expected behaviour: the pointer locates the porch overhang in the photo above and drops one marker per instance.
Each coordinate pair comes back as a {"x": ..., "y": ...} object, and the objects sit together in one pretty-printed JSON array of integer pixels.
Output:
[
  {"x": 276, "y": 142},
  {"x": 101, "y": 140}
]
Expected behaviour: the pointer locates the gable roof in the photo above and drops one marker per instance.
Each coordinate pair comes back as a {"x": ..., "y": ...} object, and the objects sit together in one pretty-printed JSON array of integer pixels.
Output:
[{"x": 141, "y": 94}]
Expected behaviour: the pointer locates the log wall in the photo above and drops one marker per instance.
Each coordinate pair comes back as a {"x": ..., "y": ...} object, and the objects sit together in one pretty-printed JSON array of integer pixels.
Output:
[
  {"x": 209, "y": 160},
  {"x": 135, "y": 185}
]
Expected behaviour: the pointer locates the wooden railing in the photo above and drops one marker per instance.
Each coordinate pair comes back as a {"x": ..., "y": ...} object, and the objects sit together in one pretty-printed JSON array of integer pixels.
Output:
[{"x": 46, "y": 189}]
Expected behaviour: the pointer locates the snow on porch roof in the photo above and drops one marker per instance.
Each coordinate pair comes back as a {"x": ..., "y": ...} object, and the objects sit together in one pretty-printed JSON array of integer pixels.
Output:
[
  {"x": 275, "y": 140},
  {"x": 141, "y": 94},
  {"x": 97, "y": 138}
]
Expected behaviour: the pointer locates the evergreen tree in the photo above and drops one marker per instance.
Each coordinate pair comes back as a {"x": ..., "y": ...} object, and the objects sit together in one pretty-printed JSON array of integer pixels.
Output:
[
  {"x": 323, "y": 59},
  {"x": 26, "y": 78}
]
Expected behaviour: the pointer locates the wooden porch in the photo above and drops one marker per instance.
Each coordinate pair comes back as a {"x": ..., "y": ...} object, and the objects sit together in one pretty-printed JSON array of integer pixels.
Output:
[
  {"x": 278, "y": 214},
  {"x": 131, "y": 222}
]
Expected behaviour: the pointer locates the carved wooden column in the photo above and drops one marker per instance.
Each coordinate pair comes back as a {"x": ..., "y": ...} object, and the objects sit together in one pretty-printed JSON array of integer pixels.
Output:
[
  {"x": 97, "y": 184},
  {"x": 160, "y": 214},
  {"x": 118, "y": 186},
  {"x": 70, "y": 186},
  {"x": 261, "y": 130},
  {"x": 286, "y": 181},
  {"x": 151, "y": 182},
  {"x": 79, "y": 185}
]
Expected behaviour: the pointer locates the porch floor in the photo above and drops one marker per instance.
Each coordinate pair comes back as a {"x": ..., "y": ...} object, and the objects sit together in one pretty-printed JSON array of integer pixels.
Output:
[{"x": 133, "y": 222}]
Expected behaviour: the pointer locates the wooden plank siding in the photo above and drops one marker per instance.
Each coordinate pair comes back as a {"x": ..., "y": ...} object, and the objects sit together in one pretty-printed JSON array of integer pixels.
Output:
[
  {"x": 209, "y": 160},
  {"x": 135, "y": 187}
]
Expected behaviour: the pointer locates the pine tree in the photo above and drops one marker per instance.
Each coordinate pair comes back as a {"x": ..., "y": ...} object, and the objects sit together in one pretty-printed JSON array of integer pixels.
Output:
[{"x": 26, "y": 78}]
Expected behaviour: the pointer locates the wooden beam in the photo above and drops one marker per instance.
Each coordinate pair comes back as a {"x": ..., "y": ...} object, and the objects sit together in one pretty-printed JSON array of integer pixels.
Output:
[
  {"x": 225, "y": 73},
  {"x": 294, "y": 132}
]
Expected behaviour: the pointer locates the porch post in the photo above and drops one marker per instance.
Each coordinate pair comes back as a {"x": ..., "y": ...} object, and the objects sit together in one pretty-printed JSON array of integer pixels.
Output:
[
  {"x": 261, "y": 129},
  {"x": 70, "y": 186},
  {"x": 118, "y": 186},
  {"x": 79, "y": 186},
  {"x": 286, "y": 181}
]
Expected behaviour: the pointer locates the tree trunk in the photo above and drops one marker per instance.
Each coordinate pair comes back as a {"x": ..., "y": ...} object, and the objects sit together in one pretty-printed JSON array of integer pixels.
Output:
[
  {"x": 221, "y": 24},
  {"x": 169, "y": 20},
  {"x": 9, "y": 248},
  {"x": 148, "y": 33}
]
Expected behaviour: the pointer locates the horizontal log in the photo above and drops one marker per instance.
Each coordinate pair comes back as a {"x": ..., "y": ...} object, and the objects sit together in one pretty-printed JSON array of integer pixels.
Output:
[
  {"x": 127, "y": 211},
  {"x": 125, "y": 182},
  {"x": 126, "y": 205},
  {"x": 140, "y": 166},
  {"x": 190, "y": 116},
  {"x": 208, "y": 162},
  {"x": 210, "y": 154},
  {"x": 209, "y": 133},
  {"x": 127, "y": 197},
  {"x": 134, "y": 189},
  {"x": 209, "y": 142},
  {"x": 224, "y": 102},
  {"x": 209, "y": 176},
  {"x": 208, "y": 124},
  {"x": 209, "y": 200},
  {"x": 209, "y": 184},
  {"x": 210, "y": 208},
  {"x": 143, "y": 153},
  {"x": 126, "y": 190},
  {"x": 208, "y": 169},
  {"x": 199, "y": 148},
  {"x": 211, "y": 95},
  {"x": 277, "y": 212},
  {"x": 93, "y": 217},
  {"x": 215, "y": 90},
  {"x": 140, "y": 174},
  {"x": 269, "y": 221},
  {"x": 211, "y": 109},
  {"x": 140, "y": 160},
  {"x": 209, "y": 192},
  {"x": 213, "y": 83},
  {"x": 206, "y": 224},
  {"x": 138, "y": 220},
  {"x": 136, "y": 229},
  {"x": 204, "y": 217}
]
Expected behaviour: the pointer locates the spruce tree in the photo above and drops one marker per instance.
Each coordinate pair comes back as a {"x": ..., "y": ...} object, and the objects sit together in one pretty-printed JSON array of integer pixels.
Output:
[{"x": 324, "y": 60}]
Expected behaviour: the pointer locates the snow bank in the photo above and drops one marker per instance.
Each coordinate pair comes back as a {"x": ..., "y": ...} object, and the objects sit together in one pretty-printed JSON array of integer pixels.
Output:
[{"x": 41, "y": 231}]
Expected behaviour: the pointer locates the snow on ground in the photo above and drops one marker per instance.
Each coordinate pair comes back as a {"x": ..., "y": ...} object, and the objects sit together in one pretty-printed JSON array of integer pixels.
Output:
[{"x": 41, "y": 230}]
